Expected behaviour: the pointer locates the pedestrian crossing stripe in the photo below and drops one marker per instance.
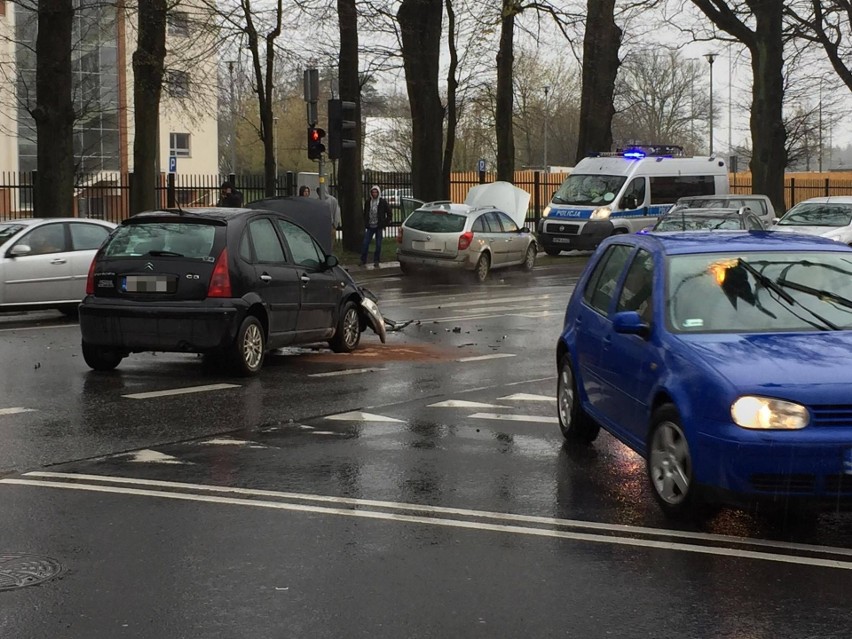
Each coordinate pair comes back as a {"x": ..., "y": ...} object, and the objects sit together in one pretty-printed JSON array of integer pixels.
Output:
[
  {"x": 461, "y": 403},
  {"x": 526, "y": 397},
  {"x": 147, "y": 456},
  {"x": 539, "y": 419},
  {"x": 358, "y": 416}
]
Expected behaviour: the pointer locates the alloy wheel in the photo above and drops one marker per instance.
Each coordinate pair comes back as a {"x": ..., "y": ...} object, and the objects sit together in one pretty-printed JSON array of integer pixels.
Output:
[
  {"x": 669, "y": 463},
  {"x": 253, "y": 346},
  {"x": 351, "y": 328}
]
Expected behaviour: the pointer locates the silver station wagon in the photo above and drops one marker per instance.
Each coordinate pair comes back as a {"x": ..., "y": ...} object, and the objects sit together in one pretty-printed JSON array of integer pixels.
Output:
[{"x": 475, "y": 236}]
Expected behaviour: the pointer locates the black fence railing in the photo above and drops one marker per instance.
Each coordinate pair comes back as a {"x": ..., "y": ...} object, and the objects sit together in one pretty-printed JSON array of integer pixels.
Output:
[{"x": 107, "y": 195}]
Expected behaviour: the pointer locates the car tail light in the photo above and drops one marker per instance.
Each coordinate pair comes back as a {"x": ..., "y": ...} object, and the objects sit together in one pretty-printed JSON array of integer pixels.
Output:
[
  {"x": 90, "y": 280},
  {"x": 220, "y": 281},
  {"x": 399, "y": 236},
  {"x": 465, "y": 239}
]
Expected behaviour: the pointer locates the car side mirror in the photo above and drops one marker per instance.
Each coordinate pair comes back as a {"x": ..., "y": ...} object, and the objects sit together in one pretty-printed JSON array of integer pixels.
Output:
[
  {"x": 331, "y": 261},
  {"x": 525, "y": 229},
  {"x": 630, "y": 323},
  {"x": 20, "y": 250},
  {"x": 775, "y": 220}
]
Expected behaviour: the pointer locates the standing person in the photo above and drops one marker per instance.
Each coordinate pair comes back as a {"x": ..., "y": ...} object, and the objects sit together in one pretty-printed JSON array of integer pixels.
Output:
[
  {"x": 229, "y": 196},
  {"x": 334, "y": 207},
  {"x": 377, "y": 215},
  {"x": 304, "y": 191}
]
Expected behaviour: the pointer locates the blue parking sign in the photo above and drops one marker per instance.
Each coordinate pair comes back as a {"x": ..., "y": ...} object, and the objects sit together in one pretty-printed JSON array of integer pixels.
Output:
[{"x": 172, "y": 164}]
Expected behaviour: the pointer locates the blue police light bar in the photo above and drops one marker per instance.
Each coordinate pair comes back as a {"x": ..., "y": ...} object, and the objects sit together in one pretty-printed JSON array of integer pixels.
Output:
[{"x": 634, "y": 154}]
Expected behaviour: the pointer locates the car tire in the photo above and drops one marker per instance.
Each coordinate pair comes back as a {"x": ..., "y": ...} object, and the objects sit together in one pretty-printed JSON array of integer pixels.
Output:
[
  {"x": 483, "y": 267},
  {"x": 552, "y": 252},
  {"x": 71, "y": 311},
  {"x": 529, "y": 259},
  {"x": 404, "y": 268},
  {"x": 348, "y": 332},
  {"x": 248, "y": 349},
  {"x": 101, "y": 358},
  {"x": 575, "y": 424},
  {"x": 669, "y": 465}
]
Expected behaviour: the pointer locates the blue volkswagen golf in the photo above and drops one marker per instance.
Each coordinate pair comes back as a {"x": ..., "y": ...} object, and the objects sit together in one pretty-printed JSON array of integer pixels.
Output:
[{"x": 725, "y": 360}]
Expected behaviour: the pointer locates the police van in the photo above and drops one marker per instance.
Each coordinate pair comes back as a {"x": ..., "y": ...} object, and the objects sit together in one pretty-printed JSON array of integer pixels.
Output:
[{"x": 624, "y": 192}]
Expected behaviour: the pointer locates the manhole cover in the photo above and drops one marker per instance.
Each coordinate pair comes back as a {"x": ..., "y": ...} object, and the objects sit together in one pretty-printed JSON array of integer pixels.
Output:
[{"x": 18, "y": 570}]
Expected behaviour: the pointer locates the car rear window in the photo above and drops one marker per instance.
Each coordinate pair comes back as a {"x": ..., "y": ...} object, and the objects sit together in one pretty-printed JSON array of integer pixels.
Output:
[
  {"x": 178, "y": 239},
  {"x": 436, "y": 222}
]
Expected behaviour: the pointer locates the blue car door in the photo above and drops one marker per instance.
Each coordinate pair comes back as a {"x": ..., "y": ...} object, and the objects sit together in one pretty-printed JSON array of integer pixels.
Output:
[
  {"x": 593, "y": 324},
  {"x": 630, "y": 364}
]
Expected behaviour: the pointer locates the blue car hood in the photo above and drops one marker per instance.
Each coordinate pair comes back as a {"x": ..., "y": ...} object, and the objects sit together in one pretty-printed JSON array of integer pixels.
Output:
[{"x": 808, "y": 367}]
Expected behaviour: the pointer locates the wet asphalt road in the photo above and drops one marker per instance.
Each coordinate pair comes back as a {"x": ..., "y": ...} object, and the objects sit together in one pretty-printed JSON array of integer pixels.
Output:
[{"x": 396, "y": 492}]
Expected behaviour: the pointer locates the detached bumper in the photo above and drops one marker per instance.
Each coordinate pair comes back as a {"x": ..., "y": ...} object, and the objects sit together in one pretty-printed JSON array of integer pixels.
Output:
[{"x": 170, "y": 328}]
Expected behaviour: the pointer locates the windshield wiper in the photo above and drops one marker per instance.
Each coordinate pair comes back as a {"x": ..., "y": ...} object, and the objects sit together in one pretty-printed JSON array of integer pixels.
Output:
[
  {"x": 778, "y": 288},
  {"x": 816, "y": 292}
]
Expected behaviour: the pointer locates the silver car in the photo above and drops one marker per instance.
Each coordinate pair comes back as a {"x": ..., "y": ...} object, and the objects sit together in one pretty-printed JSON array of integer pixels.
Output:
[
  {"x": 44, "y": 263},
  {"x": 443, "y": 235}
]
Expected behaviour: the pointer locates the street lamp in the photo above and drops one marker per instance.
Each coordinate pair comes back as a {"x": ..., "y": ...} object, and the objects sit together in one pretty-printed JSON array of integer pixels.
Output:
[
  {"x": 233, "y": 119},
  {"x": 546, "y": 110},
  {"x": 275, "y": 145},
  {"x": 711, "y": 58}
]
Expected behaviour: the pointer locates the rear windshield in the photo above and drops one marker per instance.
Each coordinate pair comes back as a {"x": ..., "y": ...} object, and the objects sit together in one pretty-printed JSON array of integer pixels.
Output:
[
  {"x": 178, "y": 239},
  {"x": 436, "y": 222}
]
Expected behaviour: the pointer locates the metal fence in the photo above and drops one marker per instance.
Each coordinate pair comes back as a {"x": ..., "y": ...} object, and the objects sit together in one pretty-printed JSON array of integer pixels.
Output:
[{"x": 107, "y": 195}]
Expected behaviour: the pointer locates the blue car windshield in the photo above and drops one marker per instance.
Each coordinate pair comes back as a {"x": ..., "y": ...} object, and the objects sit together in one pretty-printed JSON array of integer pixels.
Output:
[
  {"x": 590, "y": 190},
  {"x": 759, "y": 292}
]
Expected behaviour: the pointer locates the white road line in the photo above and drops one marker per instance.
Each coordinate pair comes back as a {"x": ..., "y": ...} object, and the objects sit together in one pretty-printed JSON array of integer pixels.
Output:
[
  {"x": 482, "y": 358},
  {"x": 350, "y": 371},
  {"x": 358, "y": 416},
  {"x": 16, "y": 410},
  {"x": 452, "y": 523},
  {"x": 36, "y": 328},
  {"x": 462, "y": 318},
  {"x": 181, "y": 391},
  {"x": 463, "y": 403},
  {"x": 474, "y": 302},
  {"x": 526, "y": 397},
  {"x": 539, "y": 419},
  {"x": 501, "y": 516}
]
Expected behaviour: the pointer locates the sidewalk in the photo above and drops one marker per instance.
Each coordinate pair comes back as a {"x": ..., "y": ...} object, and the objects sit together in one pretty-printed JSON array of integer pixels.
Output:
[{"x": 368, "y": 272}]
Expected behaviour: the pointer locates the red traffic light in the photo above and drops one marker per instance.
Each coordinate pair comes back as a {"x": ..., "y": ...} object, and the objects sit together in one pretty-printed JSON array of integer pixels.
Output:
[{"x": 315, "y": 135}]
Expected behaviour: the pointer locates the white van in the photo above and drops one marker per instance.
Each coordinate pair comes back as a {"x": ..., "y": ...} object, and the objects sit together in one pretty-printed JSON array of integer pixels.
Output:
[{"x": 623, "y": 193}]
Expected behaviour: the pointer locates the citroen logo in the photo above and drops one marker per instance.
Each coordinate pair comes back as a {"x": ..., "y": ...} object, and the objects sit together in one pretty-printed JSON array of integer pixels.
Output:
[{"x": 149, "y": 266}]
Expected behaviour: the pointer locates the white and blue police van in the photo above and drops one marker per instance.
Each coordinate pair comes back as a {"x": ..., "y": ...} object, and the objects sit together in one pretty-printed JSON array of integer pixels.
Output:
[{"x": 623, "y": 192}]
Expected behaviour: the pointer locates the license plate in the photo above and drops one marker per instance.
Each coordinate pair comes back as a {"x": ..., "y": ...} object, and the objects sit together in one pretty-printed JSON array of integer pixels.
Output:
[
  {"x": 147, "y": 284},
  {"x": 847, "y": 462},
  {"x": 427, "y": 246},
  {"x": 561, "y": 240}
]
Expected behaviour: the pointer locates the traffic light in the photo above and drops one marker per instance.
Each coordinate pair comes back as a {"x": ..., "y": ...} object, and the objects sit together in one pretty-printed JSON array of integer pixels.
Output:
[
  {"x": 341, "y": 127},
  {"x": 315, "y": 146}
]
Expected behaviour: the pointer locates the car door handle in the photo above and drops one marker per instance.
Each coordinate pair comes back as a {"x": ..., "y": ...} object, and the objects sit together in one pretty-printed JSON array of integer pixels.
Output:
[
  {"x": 305, "y": 279},
  {"x": 58, "y": 260},
  {"x": 266, "y": 277}
]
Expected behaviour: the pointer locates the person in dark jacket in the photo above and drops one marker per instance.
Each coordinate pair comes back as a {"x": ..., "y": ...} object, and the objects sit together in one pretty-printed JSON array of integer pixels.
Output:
[
  {"x": 230, "y": 197},
  {"x": 377, "y": 215}
]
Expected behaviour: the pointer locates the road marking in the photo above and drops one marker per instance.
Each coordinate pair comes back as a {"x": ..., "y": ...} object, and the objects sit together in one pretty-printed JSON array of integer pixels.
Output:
[
  {"x": 36, "y": 328},
  {"x": 491, "y": 301},
  {"x": 151, "y": 457},
  {"x": 16, "y": 410},
  {"x": 482, "y": 358},
  {"x": 462, "y": 403},
  {"x": 181, "y": 391},
  {"x": 230, "y": 441},
  {"x": 360, "y": 512},
  {"x": 461, "y": 318},
  {"x": 517, "y": 418},
  {"x": 358, "y": 416},
  {"x": 526, "y": 397},
  {"x": 351, "y": 371}
]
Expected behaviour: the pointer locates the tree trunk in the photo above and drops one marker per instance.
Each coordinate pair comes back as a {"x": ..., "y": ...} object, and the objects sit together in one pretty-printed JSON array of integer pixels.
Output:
[
  {"x": 769, "y": 136},
  {"x": 148, "y": 68},
  {"x": 504, "y": 101},
  {"x": 600, "y": 67},
  {"x": 420, "y": 26},
  {"x": 54, "y": 110},
  {"x": 452, "y": 107},
  {"x": 349, "y": 190}
]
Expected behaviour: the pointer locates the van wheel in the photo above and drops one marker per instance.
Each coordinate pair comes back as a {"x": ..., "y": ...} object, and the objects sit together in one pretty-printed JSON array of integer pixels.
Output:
[
  {"x": 101, "y": 358},
  {"x": 483, "y": 267},
  {"x": 348, "y": 332},
  {"x": 249, "y": 347}
]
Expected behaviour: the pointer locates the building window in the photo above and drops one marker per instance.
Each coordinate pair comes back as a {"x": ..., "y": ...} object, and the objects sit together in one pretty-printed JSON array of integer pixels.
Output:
[
  {"x": 177, "y": 84},
  {"x": 179, "y": 145},
  {"x": 178, "y": 22}
]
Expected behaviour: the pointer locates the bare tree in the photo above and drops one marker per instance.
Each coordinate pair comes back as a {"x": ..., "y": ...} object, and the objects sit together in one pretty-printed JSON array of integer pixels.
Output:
[
  {"x": 54, "y": 111},
  {"x": 765, "y": 42},
  {"x": 829, "y": 24}
]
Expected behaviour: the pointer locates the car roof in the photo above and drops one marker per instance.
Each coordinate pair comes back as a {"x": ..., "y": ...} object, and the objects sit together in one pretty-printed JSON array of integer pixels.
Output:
[
  {"x": 28, "y": 221},
  {"x": 831, "y": 199},
  {"x": 712, "y": 212},
  {"x": 726, "y": 196},
  {"x": 454, "y": 208},
  {"x": 684, "y": 243}
]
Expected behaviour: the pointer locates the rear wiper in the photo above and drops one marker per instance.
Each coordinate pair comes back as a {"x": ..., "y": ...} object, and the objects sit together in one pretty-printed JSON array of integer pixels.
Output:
[
  {"x": 161, "y": 253},
  {"x": 777, "y": 287}
]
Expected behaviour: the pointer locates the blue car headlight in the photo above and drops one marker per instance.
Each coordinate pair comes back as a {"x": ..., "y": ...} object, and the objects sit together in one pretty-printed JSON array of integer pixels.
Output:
[{"x": 765, "y": 413}]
